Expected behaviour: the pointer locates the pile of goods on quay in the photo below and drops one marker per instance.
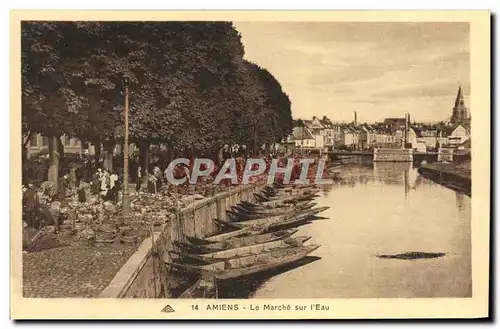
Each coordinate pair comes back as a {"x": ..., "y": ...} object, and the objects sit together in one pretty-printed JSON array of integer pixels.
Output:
[
  {"x": 255, "y": 237},
  {"x": 69, "y": 214}
]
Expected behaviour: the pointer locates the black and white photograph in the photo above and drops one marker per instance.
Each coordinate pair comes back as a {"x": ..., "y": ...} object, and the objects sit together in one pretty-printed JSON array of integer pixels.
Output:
[{"x": 217, "y": 161}]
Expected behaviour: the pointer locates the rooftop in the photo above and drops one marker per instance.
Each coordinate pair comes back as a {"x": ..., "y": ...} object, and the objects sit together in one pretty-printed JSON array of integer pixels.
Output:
[{"x": 300, "y": 133}]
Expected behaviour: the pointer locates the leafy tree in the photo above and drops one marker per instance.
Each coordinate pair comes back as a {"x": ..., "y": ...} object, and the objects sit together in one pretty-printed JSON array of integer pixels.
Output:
[
  {"x": 49, "y": 100},
  {"x": 190, "y": 87},
  {"x": 270, "y": 114}
]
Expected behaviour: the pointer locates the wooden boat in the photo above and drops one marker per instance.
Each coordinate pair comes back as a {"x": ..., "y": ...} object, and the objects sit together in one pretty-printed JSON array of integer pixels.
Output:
[
  {"x": 241, "y": 208},
  {"x": 281, "y": 186},
  {"x": 284, "y": 199},
  {"x": 243, "y": 215},
  {"x": 243, "y": 266},
  {"x": 247, "y": 231},
  {"x": 288, "y": 191},
  {"x": 222, "y": 255},
  {"x": 292, "y": 222},
  {"x": 272, "y": 204},
  {"x": 259, "y": 222},
  {"x": 273, "y": 219},
  {"x": 234, "y": 216},
  {"x": 300, "y": 189},
  {"x": 207, "y": 246},
  {"x": 303, "y": 197},
  {"x": 203, "y": 288}
]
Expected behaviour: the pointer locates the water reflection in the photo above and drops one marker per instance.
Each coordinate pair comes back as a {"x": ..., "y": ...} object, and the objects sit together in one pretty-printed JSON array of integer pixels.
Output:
[
  {"x": 460, "y": 200},
  {"x": 397, "y": 173},
  {"x": 383, "y": 209}
]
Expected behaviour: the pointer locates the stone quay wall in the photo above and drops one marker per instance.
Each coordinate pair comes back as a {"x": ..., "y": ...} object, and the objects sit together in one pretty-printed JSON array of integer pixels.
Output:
[
  {"x": 145, "y": 274},
  {"x": 392, "y": 155},
  {"x": 445, "y": 154},
  {"x": 453, "y": 176}
]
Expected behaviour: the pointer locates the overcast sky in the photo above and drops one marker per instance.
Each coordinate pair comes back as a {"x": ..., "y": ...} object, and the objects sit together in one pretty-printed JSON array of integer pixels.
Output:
[{"x": 377, "y": 69}]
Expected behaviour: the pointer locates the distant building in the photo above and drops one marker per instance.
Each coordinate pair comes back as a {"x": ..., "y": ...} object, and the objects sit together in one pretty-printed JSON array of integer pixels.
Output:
[
  {"x": 350, "y": 137},
  {"x": 386, "y": 138},
  {"x": 460, "y": 113},
  {"x": 367, "y": 137},
  {"x": 317, "y": 129},
  {"x": 337, "y": 135},
  {"x": 395, "y": 123},
  {"x": 39, "y": 144},
  {"x": 303, "y": 137},
  {"x": 458, "y": 136},
  {"x": 329, "y": 132}
]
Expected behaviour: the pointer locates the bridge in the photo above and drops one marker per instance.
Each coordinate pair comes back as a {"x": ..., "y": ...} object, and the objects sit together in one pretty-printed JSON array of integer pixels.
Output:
[
  {"x": 357, "y": 153},
  {"x": 417, "y": 156}
]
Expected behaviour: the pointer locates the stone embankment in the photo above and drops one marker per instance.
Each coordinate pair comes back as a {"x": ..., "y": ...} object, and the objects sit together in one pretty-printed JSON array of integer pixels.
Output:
[
  {"x": 74, "y": 263},
  {"x": 144, "y": 275}
]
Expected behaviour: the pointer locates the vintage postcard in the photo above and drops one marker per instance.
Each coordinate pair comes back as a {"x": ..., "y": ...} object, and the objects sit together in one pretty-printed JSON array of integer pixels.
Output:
[{"x": 250, "y": 165}]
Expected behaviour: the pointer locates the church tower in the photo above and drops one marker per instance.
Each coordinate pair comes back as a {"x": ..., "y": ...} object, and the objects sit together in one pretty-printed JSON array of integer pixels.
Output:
[{"x": 460, "y": 112}]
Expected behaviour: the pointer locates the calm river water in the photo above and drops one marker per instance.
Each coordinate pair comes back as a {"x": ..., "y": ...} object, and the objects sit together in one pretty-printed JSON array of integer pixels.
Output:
[{"x": 382, "y": 208}]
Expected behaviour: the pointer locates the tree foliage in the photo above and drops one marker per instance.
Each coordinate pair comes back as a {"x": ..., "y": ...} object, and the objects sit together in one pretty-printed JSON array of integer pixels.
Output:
[{"x": 190, "y": 86}]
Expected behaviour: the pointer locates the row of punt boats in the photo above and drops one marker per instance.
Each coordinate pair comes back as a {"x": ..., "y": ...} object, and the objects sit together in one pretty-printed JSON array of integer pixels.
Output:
[{"x": 256, "y": 237}]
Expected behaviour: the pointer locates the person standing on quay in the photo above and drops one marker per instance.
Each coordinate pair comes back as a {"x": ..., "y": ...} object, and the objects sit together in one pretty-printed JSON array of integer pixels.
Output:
[
  {"x": 30, "y": 206},
  {"x": 139, "y": 179}
]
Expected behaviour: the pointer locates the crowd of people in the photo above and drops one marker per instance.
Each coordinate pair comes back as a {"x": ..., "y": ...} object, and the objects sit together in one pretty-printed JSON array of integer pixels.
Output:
[{"x": 83, "y": 177}]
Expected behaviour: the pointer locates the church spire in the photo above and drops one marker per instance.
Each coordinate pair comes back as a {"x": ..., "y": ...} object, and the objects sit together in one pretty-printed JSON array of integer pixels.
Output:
[
  {"x": 460, "y": 112},
  {"x": 459, "y": 101}
]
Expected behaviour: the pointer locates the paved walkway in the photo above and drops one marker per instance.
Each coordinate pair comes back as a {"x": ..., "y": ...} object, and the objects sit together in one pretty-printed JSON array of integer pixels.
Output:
[{"x": 72, "y": 271}]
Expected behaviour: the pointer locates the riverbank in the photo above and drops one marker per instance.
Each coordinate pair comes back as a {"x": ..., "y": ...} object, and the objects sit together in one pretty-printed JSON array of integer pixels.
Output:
[{"x": 452, "y": 175}]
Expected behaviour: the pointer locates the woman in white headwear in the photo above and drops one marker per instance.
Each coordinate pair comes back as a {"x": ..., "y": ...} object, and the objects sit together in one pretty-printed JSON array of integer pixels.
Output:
[
  {"x": 113, "y": 178},
  {"x": 104, "y": 183}
]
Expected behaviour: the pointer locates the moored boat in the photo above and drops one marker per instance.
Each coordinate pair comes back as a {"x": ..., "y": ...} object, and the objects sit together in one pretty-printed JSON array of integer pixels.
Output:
[
  {"x": 203, "y": 288},
  {"x": 245, "y": 250},
  {"x": 208, "y": 246},
  {"x": 247, "y": 231},
  {"x": 273, "y": 219},
  {"x": 288, "y": 191},
  {"x": 289, "y": 199},
  {"x": 270, "y": 210},
  {"x": 244, "y": 215},
  {"x": 291, "y": 222},
  {"x": 272, "y": 204}
]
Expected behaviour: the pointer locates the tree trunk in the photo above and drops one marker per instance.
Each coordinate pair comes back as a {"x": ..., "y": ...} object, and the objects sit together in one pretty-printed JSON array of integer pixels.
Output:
[
  {"x": 144, "y": 160},
  {"x": 53, "y": 174},
  {"x": 60, "y": 148},
  {"x": 97, "y": 146},
  {"x": 254, "y": 142},
  {"x": 28, "y": 138},
  {"x": 169, "y": 155},
  {"x": 268, "y": 148},
  {"x": 24, "y": 162},
  {"x": 24, "y": 148},
  {"x": 220, "y": 157},
  {"x": 109, "y": 146}
]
